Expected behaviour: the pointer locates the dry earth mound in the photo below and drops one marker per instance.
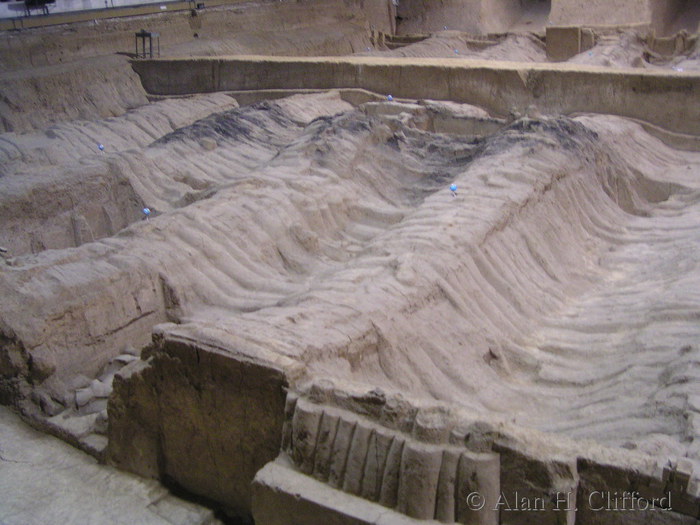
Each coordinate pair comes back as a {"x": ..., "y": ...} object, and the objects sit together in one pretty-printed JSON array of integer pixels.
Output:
[
  {"x": 336, "y": 243},
  {"x": 553, "y": 291}
]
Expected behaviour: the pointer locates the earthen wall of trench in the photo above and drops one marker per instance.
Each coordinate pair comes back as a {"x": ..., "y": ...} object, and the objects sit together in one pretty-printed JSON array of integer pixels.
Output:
[{"x": 663, "y": 99}]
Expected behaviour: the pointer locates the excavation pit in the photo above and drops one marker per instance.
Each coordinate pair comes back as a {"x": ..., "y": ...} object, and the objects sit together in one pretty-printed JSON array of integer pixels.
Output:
[{"x": 355, "y": 308}]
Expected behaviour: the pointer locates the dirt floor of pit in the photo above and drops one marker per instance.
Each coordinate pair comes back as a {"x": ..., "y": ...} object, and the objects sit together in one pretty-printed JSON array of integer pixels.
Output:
[
  {"x": 73, "y": 488},
  {"x": 555, "y": 289},
  {"x": 511, "y": 296}
]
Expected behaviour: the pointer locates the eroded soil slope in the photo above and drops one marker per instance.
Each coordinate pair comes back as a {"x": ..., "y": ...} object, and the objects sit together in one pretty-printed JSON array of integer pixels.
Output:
[{"x": 555, "y": 288}]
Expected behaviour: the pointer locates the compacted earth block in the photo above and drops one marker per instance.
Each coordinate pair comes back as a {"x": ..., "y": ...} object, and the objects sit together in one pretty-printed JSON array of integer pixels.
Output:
[{"x": 351, "y": 262}]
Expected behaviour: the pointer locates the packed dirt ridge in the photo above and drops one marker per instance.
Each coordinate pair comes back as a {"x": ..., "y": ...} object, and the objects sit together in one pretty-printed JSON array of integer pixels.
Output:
[{"x": 223, "y": 290}]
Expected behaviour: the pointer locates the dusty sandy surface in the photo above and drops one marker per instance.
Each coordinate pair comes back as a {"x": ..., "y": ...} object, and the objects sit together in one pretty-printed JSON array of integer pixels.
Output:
[
  {"x": 621, "y": 49},
  {"x": 557, "y": 289},
  {"x": 73, "y": 488},
  {"x": 454, "y": 44}
]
